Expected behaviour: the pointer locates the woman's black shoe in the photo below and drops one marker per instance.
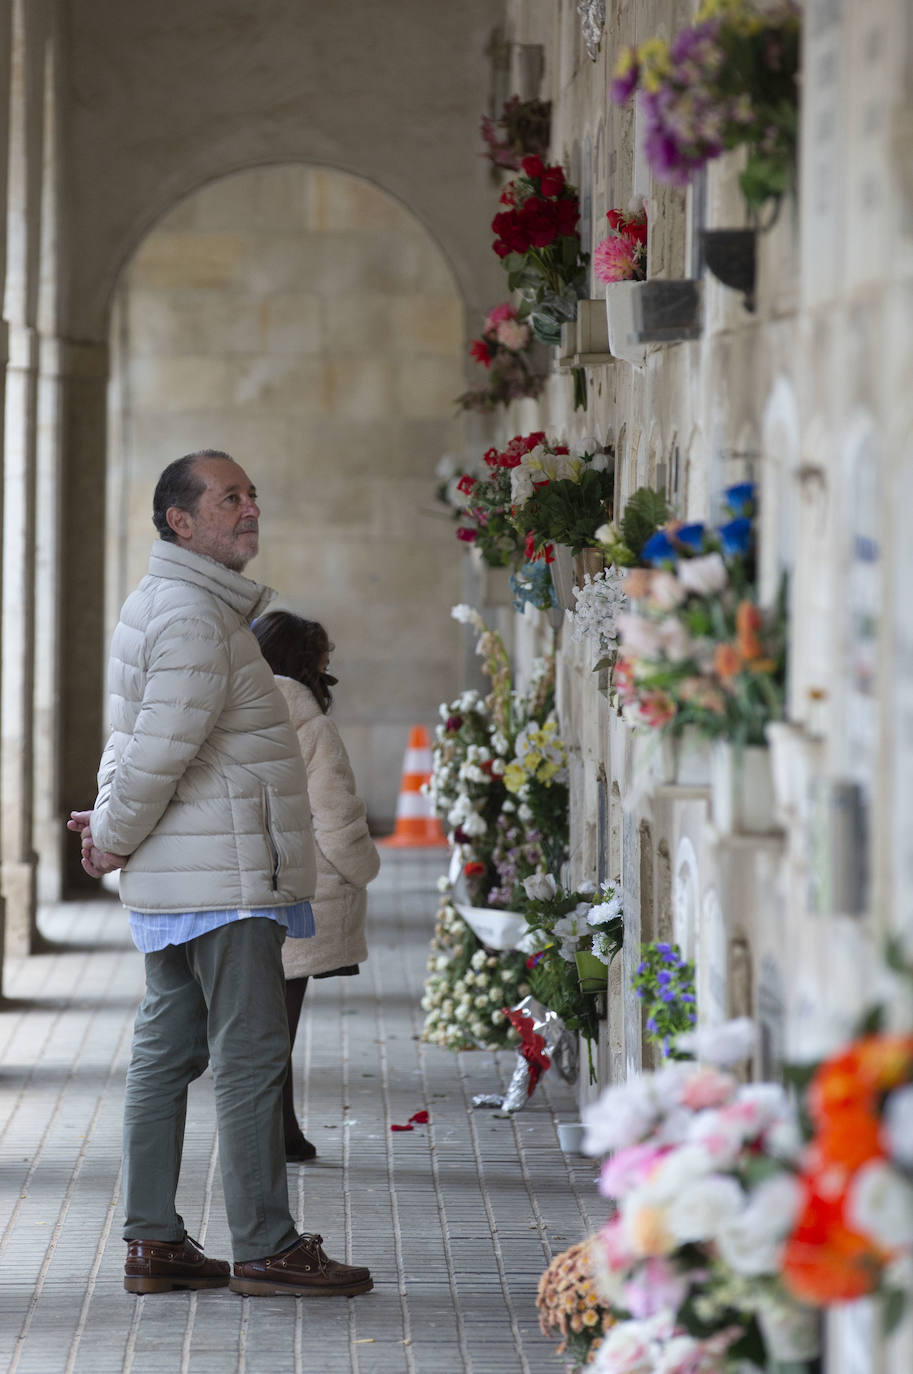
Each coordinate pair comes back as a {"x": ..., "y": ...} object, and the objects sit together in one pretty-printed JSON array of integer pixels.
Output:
[{"x": 299, "y": 1150}]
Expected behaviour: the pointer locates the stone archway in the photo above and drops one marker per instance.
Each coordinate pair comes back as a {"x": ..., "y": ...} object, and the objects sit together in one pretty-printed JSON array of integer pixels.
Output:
[{"x": 305, "y": 321}]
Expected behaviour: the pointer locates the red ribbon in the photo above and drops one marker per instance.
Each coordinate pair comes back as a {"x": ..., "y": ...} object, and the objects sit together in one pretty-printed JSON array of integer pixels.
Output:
[{"x": 532, "y": 1047}]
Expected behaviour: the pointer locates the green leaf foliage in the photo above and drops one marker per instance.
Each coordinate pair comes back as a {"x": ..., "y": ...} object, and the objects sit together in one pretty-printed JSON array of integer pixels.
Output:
[{"x": 645, "y": 511}]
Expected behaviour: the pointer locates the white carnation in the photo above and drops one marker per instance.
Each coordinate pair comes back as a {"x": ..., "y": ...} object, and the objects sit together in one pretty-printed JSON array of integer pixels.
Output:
[{"x": 880, "y": 1203}]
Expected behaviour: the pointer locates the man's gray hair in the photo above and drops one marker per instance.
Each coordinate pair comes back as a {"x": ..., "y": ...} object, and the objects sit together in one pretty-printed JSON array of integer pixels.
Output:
[{"x": 180, "y": 486}]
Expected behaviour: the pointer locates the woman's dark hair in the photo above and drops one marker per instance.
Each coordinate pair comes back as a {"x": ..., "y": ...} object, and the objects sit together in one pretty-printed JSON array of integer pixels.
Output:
[
  {"x": 180, "y": 486},
  {"x": 293, "y": 647}
]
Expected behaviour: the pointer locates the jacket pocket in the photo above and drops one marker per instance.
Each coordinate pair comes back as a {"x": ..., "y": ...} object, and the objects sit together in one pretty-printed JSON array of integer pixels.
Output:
[{"x": 271, "y": 845}]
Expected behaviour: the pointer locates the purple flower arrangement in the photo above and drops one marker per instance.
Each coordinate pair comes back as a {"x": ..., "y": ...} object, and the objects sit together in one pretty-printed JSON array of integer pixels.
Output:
[{"x": 730, "y": 79}]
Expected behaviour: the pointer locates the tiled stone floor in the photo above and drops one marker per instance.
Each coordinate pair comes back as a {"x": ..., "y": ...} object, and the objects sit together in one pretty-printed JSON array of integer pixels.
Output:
[{"x": 456, "y": 1219}]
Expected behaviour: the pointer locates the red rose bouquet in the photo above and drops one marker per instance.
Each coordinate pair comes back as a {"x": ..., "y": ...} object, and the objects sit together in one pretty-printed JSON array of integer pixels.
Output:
[{"x": 536, "y": 238}]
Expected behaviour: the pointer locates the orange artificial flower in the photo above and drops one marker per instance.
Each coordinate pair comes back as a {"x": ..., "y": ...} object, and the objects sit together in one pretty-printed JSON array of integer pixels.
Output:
[
  {"x": 747, "y": 624},
  {"x": 824, "y": 1261},
  {"x": 727, "y": 660}
]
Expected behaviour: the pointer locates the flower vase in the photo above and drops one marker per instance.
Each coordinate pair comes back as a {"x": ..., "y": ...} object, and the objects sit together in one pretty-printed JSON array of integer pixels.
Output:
[
  {"x": 592, "y": 973},
  {"x": 730, "y": 256},
  {"x": 742, "y": 794},
  {"x": 493, "y": 583},
  {"x": 619, "y": 306},
  {"x": 691, "y": 758},
  {"x": 791, "y": 1334},
  {"x": 587, "y": 561},
  {"x": 562, "y": 571}
]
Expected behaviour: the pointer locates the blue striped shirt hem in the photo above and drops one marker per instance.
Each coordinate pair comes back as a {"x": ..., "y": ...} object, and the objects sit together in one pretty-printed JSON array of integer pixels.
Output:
[{"x": 154, "y": 930}]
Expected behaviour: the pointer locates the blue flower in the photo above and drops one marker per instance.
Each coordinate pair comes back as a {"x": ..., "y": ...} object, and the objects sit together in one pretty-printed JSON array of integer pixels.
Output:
[
  {"x": 659, "y": 549},
  {"x": 641, "y": 968},
  {"x": 666, "y": 1046},
  {"x": 664, "y": 978},
  {"x": 740, "y": 498},
  {"x": 736, "y": 535},
  {"x": 687, "y": 997},
  {"x": 651, "y": 1025},
  {"x": 692, "y": 536},
  {"x": 668, "y": 996},
  {"x": 669, "y": 954},
  {"x": 692, "y": 1017},
  {"x": 663, "y": 949}
]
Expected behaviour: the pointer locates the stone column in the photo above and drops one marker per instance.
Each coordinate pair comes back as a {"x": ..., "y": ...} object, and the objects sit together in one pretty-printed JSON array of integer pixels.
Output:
[
  {"x": 26, "y": 144},
  {"x": 81, "y": 407},
  {"x": 17, "y": 871}
]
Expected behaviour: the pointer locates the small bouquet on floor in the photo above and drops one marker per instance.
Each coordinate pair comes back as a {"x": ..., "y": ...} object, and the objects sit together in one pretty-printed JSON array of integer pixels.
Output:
[
  {"x": 505, "y": 349},
  {"x": 569, "y": 1307},
  {"x": 703, "y": 1177},
  {"x": 622, "y": 256},
  {"x": 467, "y": 987}
]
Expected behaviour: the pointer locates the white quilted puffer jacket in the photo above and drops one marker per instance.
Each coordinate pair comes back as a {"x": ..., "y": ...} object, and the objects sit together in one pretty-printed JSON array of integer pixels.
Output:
[{"x": 201, "y": 783}]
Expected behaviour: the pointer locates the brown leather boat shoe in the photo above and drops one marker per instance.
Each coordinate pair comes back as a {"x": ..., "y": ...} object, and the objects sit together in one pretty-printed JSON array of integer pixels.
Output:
[
  {"x": 302, "y": 1270},
  {"x": 158, "y": 1266}
]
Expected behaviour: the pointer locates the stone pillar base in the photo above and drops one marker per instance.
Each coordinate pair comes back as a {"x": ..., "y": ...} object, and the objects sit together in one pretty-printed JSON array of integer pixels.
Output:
[{"x": 18, "y": 886}]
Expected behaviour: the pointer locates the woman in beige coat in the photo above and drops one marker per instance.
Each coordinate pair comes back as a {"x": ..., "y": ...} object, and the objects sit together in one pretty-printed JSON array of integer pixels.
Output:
[{"x": 298, "y": 651}]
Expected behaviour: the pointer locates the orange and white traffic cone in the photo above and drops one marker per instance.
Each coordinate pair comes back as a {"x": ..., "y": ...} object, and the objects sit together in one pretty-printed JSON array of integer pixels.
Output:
[{"x": 415, "y": 827}]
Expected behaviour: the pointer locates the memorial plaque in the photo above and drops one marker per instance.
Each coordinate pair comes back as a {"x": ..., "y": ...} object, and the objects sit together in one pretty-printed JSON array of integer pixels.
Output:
[
  {"x": 870, "y": 96},
  {"x": 770, "y": 1017},
  {"x": 902, "y": 736},
  {"x": 822, "y": 189},
  {"x": 631, "y": 950},
  {"x": 712, "y": 1001},
  {"x": 685, "y": 898},
  {"x": 864, "y": 594},
  {"x": 586, "y": 197}
]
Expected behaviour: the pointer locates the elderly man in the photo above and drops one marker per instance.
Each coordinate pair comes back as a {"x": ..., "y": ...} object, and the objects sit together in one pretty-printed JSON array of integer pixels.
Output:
[{"x": 202, "y": 805}]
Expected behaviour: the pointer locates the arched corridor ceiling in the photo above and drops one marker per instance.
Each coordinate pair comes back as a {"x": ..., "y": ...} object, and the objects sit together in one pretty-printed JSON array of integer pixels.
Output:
[{"x": 167, "y": 97}]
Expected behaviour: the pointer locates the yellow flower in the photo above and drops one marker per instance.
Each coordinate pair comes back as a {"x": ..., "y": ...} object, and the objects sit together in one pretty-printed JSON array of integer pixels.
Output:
[
  {"x": 590, "y": 1317},
  {"x": 547, "y": 772},
  {"x": 514, "y": 777},
  {"x": 654, "y": 56},
  {"x": 627, "y": 59}
]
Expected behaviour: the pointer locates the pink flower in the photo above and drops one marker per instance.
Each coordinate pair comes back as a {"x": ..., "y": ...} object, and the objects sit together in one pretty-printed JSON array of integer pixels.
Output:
[
  {"x": 614, "y": 260},
  {"x": 512, "y": 334},
  {"x": 654, "y": 1287},
  {"x": 627, "y": 1168},
  {"x": 498, "y": 315},
  {"x": 707, "y": 1088}
]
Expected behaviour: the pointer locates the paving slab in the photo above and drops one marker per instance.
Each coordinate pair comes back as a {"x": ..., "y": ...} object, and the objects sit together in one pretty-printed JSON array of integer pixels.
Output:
[{"x": 457, "y": 1219}]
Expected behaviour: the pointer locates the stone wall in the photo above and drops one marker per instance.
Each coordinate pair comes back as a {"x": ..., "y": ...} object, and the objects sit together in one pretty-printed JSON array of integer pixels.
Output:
[
  {"x": 808, "y": 395},
  {"x": 306, "y": 322}
]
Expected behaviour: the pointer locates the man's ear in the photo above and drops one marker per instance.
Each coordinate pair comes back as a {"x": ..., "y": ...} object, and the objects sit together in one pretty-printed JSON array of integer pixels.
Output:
[{"x": 181, "y": 521}]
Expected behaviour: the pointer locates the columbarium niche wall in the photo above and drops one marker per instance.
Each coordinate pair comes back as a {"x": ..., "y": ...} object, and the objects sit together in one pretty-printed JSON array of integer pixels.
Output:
[{"x": 306, "y": 322}]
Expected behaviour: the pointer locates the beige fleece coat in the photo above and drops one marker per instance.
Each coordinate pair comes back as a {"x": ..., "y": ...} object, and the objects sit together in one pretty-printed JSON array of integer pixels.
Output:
[{"x": 346, "y": 857}]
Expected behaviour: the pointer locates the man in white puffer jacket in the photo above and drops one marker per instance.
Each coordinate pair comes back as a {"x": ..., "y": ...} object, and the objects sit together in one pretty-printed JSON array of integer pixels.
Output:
[{"x": 203, "y": 806}]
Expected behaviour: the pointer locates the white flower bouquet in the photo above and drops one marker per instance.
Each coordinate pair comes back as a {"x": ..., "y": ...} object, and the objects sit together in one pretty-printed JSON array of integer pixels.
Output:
[{"x": 703, "y": 1177}]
